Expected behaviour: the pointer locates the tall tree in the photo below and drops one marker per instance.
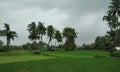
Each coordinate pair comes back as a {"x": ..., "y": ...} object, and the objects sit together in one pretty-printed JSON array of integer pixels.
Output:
[
  {"x": 50, "y": 34},
  {"x": 58, "y": 36},
  {"x": 70, "y": 34},
  {"x": 114, "y": 8},
  {"x": 41, "y": 30},
  {"x": 112, "y": 17},
  {"x": 8, "y": 34},
  {"x": 33, "y": 35},
  {"x": 33, "y": 31}
]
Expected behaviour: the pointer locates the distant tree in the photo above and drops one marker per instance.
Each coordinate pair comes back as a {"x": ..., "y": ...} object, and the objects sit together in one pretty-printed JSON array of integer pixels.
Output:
[
  {"x": 8, "y": 34},
  {"x": 33, "y": 32},
  {"x": 103, "y": 43},
  {"x": 26, "y": 46},
  {"x": 50, "y": 34},
  {"x": 41, "y": 30},
  {"x": 1, "y": 34},
  {"x": 58, "y": 36},
  {"x": 87, "y": 46},
  {"x": 33, "y": 35},
  {"x": 1, "y": 47},
  {"x": 1, "y": 42},
  {"x": 69, "y": 34}
]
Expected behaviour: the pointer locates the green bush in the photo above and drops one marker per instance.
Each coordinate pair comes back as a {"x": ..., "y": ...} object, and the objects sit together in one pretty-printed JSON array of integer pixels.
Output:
[
  {"x": 3, "y": 49},
  {"x": 115, "y": 53}
]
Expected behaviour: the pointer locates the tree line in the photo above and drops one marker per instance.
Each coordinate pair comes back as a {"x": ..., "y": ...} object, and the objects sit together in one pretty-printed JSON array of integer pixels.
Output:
[{"x": 36, "y": 33}]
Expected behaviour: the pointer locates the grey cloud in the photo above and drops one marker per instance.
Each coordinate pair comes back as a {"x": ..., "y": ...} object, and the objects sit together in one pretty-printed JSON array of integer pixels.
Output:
[{"x": 84, "y": 15}]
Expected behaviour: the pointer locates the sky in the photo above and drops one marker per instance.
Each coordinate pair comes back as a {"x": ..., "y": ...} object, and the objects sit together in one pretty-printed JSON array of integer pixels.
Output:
[{"x": 83, "y": 15}]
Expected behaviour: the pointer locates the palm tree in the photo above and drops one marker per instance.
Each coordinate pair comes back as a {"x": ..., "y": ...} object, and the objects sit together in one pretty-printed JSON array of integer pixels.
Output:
[
  {"x": 70, "y": 35},
  {"x": 8, "y": 34},
  {"x": 112, "y": 21},
  {"x": 41, "y": 30},
  {"x": 114, "y": 8},
  {"x": 58, "y": 36},
  {"x": 112, "y": 18},
  {"x": 33, "y": 36},
  {"x": 33, "y": 32},
  {"x": 50, "y": 34}
]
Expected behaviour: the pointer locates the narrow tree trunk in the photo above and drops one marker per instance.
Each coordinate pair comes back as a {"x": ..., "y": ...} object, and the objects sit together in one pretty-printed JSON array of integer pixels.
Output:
[
  {"x": 41, "y": 38},
  {"x": 8, "y": 43},
  {"x": 55, "y": 42},
  {"x": 49, "y": 48},
  {"x": 51, "y": 43}
]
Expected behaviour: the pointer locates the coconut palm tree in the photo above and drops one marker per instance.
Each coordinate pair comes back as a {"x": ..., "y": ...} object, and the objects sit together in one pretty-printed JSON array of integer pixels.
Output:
[
  {"x": 50, "y": 34},
  {"x": 41, "y": 30},
  {"x": 58, "y": 36},
  {"x": 112, "y": 18},
  {"x": 114, "y": 8},
  {"x": 33, "y": 36},
  {"x": 112, "y": 21},
  {"x": 8, "y": 34},
  {"x": 69, "y": 34},
  {"x": 33, "y": 32}
]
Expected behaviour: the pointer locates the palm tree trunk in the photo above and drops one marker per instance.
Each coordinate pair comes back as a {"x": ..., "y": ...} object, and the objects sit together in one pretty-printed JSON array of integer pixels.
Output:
[
  {"x": 51, "y": 43},
  {"x": 41, "y": 38},
  {"x": 55, "y": 42},
  {"x": 8, "y": 42},
  {"x": 49, "y": 48}
]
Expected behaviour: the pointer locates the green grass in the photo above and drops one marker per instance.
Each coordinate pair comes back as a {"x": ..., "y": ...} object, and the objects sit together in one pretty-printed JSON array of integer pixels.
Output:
[
  {"x": 73, "y": 61},
  {"x": 16, "y": 52},
  {"x": 21, "y": 58}
]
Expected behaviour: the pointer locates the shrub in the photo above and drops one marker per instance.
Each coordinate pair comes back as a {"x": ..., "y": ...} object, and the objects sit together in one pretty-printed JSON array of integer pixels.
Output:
[
  {"x": 36, "y": 52},
  {"x": 98, "y": 56},
  {"x": 4, "y": 49},
  {"x": 115, "y": 53}
]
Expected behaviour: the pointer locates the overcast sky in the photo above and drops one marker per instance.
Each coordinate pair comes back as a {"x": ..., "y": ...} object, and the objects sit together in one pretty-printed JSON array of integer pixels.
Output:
[{"x": 83, "y": 15}]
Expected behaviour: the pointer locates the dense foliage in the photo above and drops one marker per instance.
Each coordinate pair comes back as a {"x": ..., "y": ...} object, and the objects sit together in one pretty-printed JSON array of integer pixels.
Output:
[
  {"x": 115, "y": 53},
  {"x": 69, "y": 34},
  {"x": 112, "y": 17}
]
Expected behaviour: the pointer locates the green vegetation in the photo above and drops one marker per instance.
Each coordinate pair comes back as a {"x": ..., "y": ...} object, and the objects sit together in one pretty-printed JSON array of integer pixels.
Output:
[
  {"x": 21, "y": 58},
  {"x": 58, "y": 37},
  {"x": 37, "y": 32},
  {"x": 112, "y": 38},
  {"x": 72, "y": 61},
  {"x": 70, "y": 35},
  {"x": 8, "y": 34},
  {"x": 50, "y": 34},
  {"x": 64, "y": 55},
  {"x": 41, "y": 30},
  {"x": 115, "y": 53},
  {"x": 112, "y": 17}
]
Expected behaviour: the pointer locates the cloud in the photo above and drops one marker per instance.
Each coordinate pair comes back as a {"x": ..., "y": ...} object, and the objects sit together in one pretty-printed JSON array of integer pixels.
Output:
[{"x": 83, "y": 15}]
